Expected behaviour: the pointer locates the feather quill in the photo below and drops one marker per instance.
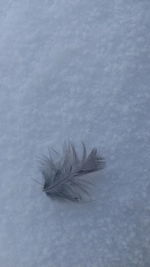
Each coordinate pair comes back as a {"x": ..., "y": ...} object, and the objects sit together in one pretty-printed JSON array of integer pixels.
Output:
[{"x": 64, "y": 178}]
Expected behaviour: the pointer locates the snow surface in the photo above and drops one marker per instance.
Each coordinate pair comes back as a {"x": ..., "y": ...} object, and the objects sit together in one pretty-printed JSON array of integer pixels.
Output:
[{"x": 80, "y": 71}]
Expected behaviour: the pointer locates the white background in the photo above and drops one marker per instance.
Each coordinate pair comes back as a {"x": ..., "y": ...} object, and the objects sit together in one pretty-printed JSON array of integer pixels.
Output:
[{"x": 75, "y": 70}]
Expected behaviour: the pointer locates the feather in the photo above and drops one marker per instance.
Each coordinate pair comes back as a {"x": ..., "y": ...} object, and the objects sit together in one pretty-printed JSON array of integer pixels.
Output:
[{"x": 64, "y": 178}]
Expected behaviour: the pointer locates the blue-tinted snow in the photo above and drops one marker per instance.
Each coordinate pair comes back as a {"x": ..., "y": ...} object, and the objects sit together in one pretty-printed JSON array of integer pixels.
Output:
[{"x": 75, "y": 70}]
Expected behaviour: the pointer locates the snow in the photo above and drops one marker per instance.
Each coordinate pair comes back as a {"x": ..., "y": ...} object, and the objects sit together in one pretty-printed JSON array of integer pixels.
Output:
[{"x": 75, "y": 70}]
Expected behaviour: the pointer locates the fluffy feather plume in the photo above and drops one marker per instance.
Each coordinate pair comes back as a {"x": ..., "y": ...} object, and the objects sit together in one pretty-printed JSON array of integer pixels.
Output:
[{"x": 63, "y": 179}]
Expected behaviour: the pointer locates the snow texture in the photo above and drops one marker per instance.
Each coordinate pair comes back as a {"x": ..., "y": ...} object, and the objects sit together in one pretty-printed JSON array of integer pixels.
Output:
[{"x": 76, "y": 70}]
